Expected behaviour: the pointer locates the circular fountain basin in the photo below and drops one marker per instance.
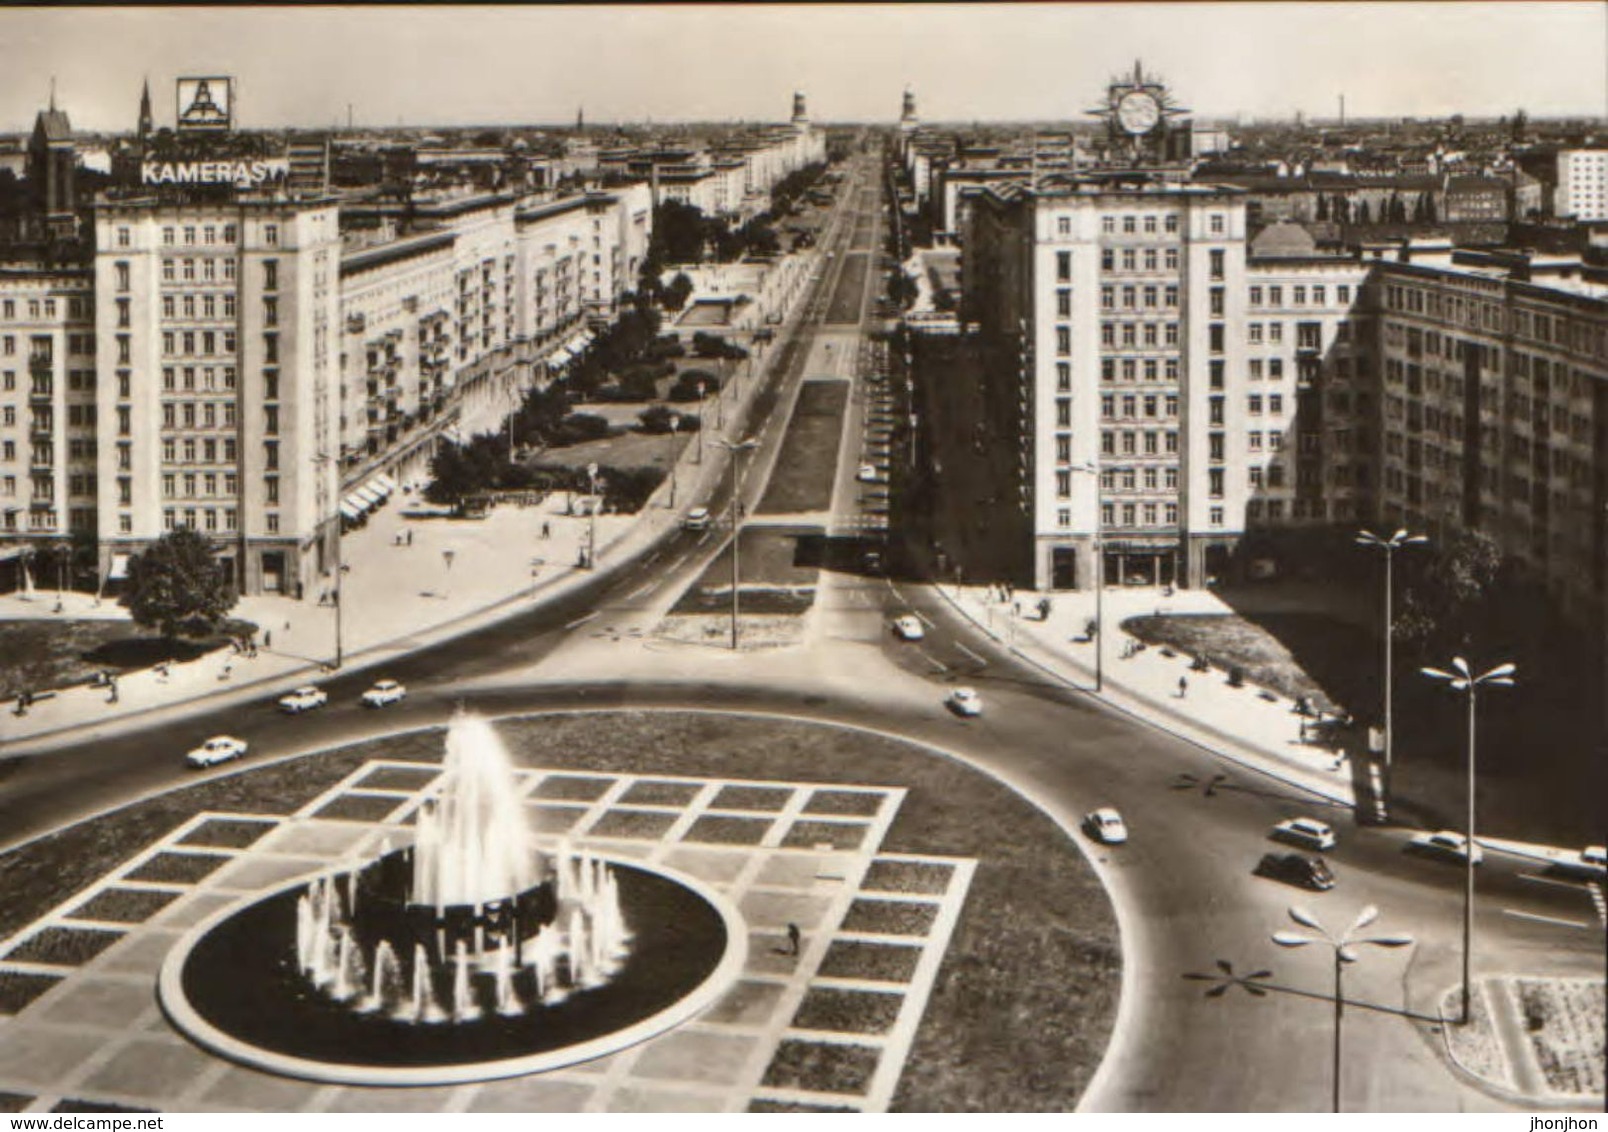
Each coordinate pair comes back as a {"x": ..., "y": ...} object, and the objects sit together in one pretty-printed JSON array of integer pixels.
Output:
[{"x": 233, "y": 985}]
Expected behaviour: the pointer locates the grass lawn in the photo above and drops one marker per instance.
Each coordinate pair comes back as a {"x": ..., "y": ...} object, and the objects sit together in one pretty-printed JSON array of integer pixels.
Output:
[
  {"x": 1564, "y": 1021},
  {"x": 807, "y": 466},
  {"x": 57, "y": 652},
  {"x": 991, "y": 1039},
  {"x": 1267, "y": 659},
  {"x": 850, "y": 293}
]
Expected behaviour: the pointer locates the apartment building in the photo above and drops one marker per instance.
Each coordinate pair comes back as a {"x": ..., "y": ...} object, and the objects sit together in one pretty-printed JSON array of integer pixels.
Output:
[
  {"x": 1178, "y": 386},
  {"x": 1582, "y": 191},
  {"x": 48, "y": 421},
  {"x": 1495, "y": 416},
  {"x": 217, "y": 336}
]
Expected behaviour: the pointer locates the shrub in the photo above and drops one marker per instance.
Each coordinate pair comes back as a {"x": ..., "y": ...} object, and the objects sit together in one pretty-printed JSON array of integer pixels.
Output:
[
  {"x": 656, "y": 419},
  {"x": 578, "y": 428},
  {"x": 686, "y": 386}
]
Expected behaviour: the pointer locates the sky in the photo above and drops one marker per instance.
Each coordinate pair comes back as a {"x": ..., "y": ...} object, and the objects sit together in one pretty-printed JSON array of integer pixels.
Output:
[{"x": 422, "y": 65}]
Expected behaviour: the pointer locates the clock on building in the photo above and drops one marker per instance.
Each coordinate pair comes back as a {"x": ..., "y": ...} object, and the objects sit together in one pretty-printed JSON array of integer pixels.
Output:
[{"x": 1138, "y": 112}]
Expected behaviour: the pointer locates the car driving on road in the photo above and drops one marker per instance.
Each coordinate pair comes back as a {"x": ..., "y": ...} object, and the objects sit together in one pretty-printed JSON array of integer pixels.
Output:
[
  {"x": 384, "y": 692},
  {"x": 218, "y": 749},
  {"x": 867, "y": 473},
  {"x": 1106, "y": 826},
  {"x": 1308, "y": 833},
  {"x": 1297, "y": 869},
  {"x": 965, "y": 701},
  {"x": 697, "y": 519},
  {"x": 1446, "y": 843},
  {"x": 908, "y": 628},
  {"x": 303, "y": 699}
]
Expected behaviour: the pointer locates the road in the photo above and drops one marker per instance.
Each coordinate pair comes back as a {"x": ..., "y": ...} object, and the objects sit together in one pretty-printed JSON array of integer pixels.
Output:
[{"x": 1182, "y": 886}]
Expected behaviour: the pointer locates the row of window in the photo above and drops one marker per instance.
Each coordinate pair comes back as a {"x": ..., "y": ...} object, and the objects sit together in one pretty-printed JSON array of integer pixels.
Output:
[
  {"x": 1135, "y": 259},
  {"x": 204, "y": 305},
  {"x": 1132, "y": 405},
  {"x": 212, "y": 519},
  {"x": 1149, "y": 295},
  {"x": 1128, "y": 335},
  {"x": 1299, "y": 294},
  {"x": 211, "y": 414},
  {"x": 205, "y": 484}
]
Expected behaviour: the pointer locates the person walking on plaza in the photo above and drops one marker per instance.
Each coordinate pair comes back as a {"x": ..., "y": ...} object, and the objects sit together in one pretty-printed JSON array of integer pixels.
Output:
[
  {"x": 794, "y": 938},
  {"x": 1183, "y": 686},
  {"x": 547, "y": 528},
  {"x": 111, "y": 683},
  {"x": 268, "y": 639}
]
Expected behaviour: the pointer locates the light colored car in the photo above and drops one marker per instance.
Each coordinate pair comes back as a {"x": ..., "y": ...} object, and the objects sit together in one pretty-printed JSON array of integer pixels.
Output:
[
  {"x": 867, "y": 473},
  {"x": 697, "y": 519},
  {"x": 1106, "y": 825},
  {"x": 218, "y": 749},
  {"x": 1309, "y": 833},
  {"x": 303, "y": 699},
  {"x": 908, "y": 627},
  {"x": 1592, "y": 864},
  {"x": 965, "y": 701},
  {"x": 384, "y": 692},
  {"x": 1446, "y": 843}
]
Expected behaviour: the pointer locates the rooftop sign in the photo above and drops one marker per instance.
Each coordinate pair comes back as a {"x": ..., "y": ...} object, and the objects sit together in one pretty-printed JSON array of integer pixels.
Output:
[
  {"x": 205, "y": 104},
  {"x": 242, "y": 174}
]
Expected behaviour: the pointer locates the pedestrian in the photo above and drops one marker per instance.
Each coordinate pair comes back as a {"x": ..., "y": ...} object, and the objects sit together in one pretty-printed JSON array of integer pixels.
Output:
[
  {"x": 794, "y": 938},
  {"x": 111, "y": 682},
  {"x": 228, "y": 670},
  {"x": 1183, "y": 686},
  {"x": 410, "y": 536},
  {"x": 268, "y": 639},
  {"x": 547, "y": 528}
]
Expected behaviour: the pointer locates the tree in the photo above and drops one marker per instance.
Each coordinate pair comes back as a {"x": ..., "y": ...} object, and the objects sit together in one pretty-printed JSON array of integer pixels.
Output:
[
  {"x": 675, "y": 294},
  {"x": 1448, "y": 590},
  {"x": 177, "y": 587}
]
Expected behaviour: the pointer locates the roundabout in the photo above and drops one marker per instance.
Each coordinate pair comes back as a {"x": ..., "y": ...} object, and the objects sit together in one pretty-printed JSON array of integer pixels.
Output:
[{"x": 913, "y": 964}]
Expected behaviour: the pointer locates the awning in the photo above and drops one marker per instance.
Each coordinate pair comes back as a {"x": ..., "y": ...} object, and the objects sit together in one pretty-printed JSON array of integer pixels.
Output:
[
  {"x": 119, "y": 568},
  {"x": 559, "y": 357},
  {"x": 384, "y": 482},
  {"x": 356, "y": 502},
  {"x": 368, "y": 494},
  {"x": 350, "y": 511}
]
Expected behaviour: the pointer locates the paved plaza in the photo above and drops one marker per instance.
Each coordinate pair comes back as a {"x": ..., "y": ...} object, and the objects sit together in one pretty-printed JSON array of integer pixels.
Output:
[{"x": 829, "y": 1028}]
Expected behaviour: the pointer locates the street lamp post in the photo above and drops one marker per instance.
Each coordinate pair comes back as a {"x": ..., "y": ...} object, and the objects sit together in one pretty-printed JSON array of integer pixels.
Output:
[
  {"x": 675, "y": 426},
  {"x": 698, "y": 458},
  {"x": 736, "y": 451},
  {"x": 593, "y": 475},
  {"x": 340, "y": 567},
  {"x": 1343, "y": 947},
  {"x": 1462, "y": 679},
  {"x": 1092, "y": 469},
  {"x": 1389, "y": 546}
]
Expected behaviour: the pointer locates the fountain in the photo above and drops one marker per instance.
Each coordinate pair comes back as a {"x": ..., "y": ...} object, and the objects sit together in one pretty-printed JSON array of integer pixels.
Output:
[
  {"x": 464, "y": 955},
  {"x": 466, "y": 900}
]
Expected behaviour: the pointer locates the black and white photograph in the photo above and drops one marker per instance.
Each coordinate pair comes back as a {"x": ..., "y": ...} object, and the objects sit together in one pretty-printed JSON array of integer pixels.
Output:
[{"x": 790, "y": 557}]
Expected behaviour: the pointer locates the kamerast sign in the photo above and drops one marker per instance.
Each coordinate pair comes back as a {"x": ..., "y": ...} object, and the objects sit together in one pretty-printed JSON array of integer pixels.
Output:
[{"x": 242, "y": 174}]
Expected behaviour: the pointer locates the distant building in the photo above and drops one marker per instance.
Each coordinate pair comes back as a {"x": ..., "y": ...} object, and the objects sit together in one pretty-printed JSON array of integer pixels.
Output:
[{"x": 1582, "y": 190}]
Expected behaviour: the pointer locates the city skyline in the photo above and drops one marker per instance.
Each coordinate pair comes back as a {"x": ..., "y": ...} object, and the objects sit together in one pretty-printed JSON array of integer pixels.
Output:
[{"x": 1224, "y": 60}]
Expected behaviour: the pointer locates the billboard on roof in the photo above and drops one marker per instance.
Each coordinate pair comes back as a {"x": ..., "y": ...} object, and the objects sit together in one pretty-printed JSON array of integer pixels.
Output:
[{"x": 205, "y": 104}]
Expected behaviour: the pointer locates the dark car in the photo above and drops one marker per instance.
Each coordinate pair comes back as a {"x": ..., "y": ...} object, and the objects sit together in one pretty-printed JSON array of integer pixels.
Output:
[{"x": 1297, "y": 869}]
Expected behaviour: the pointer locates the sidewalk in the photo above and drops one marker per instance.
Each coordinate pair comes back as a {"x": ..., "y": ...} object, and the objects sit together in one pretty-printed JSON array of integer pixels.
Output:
[
  {"x": 1247, "y": 725},
  {"x": 408, "y": 582}
]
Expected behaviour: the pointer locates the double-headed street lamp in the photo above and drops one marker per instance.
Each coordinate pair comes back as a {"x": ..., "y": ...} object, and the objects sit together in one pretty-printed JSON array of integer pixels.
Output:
[
  {"x": 1462, "y": 679},
  {"x": 1389, "y": 546},
  {"x": 1344, "y": 947},
  {"x": 736, "y": 451}
]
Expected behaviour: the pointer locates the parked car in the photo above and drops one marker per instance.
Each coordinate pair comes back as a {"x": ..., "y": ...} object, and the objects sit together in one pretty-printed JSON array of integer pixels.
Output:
[
  {"x": 384, "y": 692},
  {"x": 1591, "y": 864},
  {"x": 908, "y": 628},
  {"x": 1309, "y": 833},
  {"x": 1297, "y": 869},
  {"x": 218, "y": 749},
  {"x": 867, "y": 473},
  {"x": 1106, "y": 825},
  {"x": 965, "y": 701},
  {"x": 303, "y": 699},
  {"x": 1446, "y": 843},
  {"x": 697, "y": 519}
]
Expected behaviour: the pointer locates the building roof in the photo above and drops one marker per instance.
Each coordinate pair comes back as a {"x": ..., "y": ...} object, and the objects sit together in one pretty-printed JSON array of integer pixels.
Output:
[
  {"x": 1283, "y": 240},
  {"x": 53, "y": 124},
  {"x": 394, "y": 250}
]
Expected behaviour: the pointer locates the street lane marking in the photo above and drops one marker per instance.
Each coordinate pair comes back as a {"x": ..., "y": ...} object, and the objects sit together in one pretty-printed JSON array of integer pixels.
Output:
[
  {"x": 582, "y": 620},
  {"x": 941, "y": 667},
  {"x": 1540, "y": 919},
  {"x": 925, "y": 620},
  {"x": 645, "y": 587},
  {"x": 971, "y": 654},
  {"x": 1578, "y": 886}
]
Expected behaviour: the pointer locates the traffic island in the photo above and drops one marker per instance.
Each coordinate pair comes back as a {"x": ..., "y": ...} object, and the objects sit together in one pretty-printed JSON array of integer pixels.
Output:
[{"x": 1532, "y": 1037}]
